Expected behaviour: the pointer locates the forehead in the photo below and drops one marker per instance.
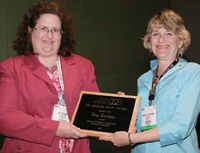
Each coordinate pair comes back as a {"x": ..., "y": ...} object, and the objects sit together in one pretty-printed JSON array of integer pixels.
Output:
[
  {"x": 160, "y": 27},
  {"x": 157, "y": 25},
  {"x": 49, "y": 20}
]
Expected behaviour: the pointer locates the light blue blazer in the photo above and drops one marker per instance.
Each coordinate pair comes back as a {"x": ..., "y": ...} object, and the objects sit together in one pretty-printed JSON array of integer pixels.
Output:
[{"x": 178, "y": 105}]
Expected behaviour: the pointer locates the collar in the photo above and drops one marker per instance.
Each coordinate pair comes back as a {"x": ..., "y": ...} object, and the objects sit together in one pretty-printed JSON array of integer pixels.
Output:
[
  {"x": 33, "y": 61},
  {"x": 154, "y": 63},
  {"x": 38, "y": 70}
]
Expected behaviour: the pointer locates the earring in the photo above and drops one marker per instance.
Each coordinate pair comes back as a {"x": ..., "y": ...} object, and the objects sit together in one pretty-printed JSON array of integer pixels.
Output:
[{"x": 179, "y": 53}]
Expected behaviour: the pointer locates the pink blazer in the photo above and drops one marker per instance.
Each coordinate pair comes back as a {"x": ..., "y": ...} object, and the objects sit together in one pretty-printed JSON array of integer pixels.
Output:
[{"x": 27, "y": 97}]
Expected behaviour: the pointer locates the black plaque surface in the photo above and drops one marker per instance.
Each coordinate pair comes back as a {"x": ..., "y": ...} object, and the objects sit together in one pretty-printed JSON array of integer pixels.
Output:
[{"x": 100, "y": 113}]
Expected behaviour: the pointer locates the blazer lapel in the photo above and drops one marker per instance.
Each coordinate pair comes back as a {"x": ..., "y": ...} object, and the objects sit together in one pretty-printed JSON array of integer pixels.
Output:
[
  {"x": 38, "y": 69},
  {"x": 69, "y": 77}
]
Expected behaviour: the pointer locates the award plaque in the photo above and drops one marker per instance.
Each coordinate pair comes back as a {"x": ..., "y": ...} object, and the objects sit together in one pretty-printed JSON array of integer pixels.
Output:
[{"x": 100, "y": 113}]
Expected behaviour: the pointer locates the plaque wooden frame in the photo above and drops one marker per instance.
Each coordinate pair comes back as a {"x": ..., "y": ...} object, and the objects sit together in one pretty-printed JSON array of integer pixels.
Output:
[{"x": 96, "y": 133}]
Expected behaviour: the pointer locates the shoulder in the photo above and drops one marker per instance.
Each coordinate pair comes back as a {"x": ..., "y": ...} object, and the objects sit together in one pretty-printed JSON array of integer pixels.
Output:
[
  {"x": 80, "y": 62},
  {"x": 12, "y": 62},
  {"x": 193, "y": 66},
  {"x": 13, "y": 59},
  {"x": 185, "y": 65},
  {"x": 80, "y": 59},
  {"x": 12, "y": 65},
  {"x": 187, "y": 73},
  {"x": 190, "y": 68},
  {"x": 144, "y": 80},
  {"x": 77, "y": 60},
  {"x": 145, "y": 76}
]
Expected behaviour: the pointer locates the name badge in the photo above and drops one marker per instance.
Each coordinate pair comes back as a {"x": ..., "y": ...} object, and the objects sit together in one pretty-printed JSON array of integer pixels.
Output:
[
  {"x": 60, "y": 113},
  {"x": 149, "y": 118}
]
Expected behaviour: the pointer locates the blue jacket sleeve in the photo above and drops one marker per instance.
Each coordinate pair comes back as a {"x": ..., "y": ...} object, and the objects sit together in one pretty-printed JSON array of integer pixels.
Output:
[{"x": 184, "y": 120}]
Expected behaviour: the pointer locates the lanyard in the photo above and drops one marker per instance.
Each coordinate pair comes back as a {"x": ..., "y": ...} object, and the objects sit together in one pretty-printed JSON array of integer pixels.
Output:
[
  {"x": 64, "y": 144},
  {"x": 61, "y": 97},
  {"x": 156, "y": 79}
]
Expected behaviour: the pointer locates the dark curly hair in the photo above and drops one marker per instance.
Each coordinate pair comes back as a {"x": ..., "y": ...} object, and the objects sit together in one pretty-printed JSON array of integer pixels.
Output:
[{"x": 23, "y": 44}]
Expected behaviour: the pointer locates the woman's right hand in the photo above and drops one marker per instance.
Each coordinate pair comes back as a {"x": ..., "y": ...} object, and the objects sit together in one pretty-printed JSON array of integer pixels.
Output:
[
  {"x": 67, "y": 130},
  {"x": 120, "y": 93},
  {"x": 118, "y": 139}
]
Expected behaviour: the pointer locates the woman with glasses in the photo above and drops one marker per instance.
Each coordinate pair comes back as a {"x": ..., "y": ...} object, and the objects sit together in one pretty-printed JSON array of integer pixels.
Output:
[
  {"x": 40, "y": 88},
  {"x": 170, "y": 92}
]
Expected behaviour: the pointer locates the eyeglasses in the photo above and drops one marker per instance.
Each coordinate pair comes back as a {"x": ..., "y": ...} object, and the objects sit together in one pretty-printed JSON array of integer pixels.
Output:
[{"x": 45, "y": 30}]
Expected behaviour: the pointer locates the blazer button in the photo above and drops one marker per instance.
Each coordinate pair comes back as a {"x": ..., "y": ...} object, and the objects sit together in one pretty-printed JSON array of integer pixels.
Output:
[{"x": 19, "y": 147}]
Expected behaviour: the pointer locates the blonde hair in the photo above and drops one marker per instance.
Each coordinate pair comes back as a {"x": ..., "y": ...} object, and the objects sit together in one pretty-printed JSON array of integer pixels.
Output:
[{"x": 171, "y": 21}]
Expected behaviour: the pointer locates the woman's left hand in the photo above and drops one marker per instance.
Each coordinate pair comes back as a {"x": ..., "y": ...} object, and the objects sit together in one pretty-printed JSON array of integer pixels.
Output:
[
  {"x": 118, "y": 139},
  {"x": 67, "y": 130}
]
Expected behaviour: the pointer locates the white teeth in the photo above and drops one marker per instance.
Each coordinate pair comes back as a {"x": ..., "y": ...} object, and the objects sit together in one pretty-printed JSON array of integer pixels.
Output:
[
  {"x": 48, "y": 42},
  {"x": 162, "y": 47}
]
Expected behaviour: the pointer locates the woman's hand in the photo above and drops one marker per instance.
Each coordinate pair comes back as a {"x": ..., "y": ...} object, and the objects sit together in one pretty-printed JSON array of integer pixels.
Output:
[
  {"x": 118, "y": 139},
  {"x": 67, "y": 130},
  {"x": 120, "y": 93}
]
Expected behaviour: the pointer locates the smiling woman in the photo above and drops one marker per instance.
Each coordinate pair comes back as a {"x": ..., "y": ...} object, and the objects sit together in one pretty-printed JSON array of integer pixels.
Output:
[
  {"x": 165, "y": 44},
  {"x": 45, "y": 82},
  {"x": 45, "y": 42},
  {"x": 169, "y": 91}
]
